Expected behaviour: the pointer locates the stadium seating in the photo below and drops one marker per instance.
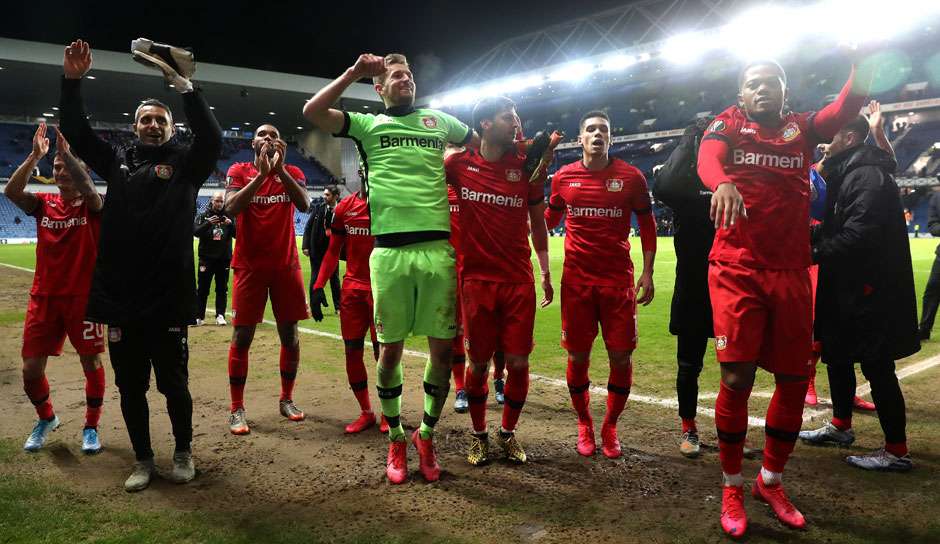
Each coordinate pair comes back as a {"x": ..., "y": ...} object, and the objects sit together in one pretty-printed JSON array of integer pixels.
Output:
[{"x": 15, "y": 144}]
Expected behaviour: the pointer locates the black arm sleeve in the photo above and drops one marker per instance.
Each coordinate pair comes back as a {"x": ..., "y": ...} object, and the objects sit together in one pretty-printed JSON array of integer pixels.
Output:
[
  {"x": 73, "y": 122},
  {"x": 200, "y": 226},
  {"x": 207, "y": 138},
  {"x": 308, "y": 228},
  {"x": 864, "y": 221}
]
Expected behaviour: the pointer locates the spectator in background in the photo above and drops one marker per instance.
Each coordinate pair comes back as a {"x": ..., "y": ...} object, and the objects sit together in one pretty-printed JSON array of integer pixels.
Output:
[
  {"x": 932, "y": 291},
  {"x": 316, "y": 240},
  {"x": 215, "y": 231},
  {"x": 866, "y": 309}
]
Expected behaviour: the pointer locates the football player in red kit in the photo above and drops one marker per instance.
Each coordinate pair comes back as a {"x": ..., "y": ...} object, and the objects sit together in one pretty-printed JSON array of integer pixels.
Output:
[
  {"x": 598, "y": 195},
  {"x": 262, "y": 196},
  {"x": 459, "y": 357},
  {"x": 497, "y": 201},
  {"x": 755, "y": 157},
  {"x": 67, "y": 228},
  {"x": 351, "y": 229}
]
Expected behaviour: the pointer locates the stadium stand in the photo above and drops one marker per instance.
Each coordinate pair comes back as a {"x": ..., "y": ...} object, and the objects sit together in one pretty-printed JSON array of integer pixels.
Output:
[{"x": 15, "y": 141}]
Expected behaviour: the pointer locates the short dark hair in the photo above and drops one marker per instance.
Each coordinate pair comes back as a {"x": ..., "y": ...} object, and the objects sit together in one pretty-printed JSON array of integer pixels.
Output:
[
  {"x": 762, "y": 62},
  {"x": 152, "y": 102},
  {"x": 333, "y": 189},
  {"x": 593, "y": 113},
  {"x": 391, "y": 58},
  {"x": 489, "y": 107},
  {"x": 859, "y": 126}
]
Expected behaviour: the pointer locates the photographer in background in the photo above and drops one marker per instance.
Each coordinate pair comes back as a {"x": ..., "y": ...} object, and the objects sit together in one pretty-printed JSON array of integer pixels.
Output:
[{"x": 215, "y": 231}]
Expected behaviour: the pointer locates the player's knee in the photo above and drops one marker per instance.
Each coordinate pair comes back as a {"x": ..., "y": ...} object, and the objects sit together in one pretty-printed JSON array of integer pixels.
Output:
[
  {"x": 579, "y": 357},
  {"x": 288, "y": 334},
  {"x": 390, "y": 355},
  {"x": 90, "y": 363},
  {"x": 738, "y": 376},
  {"x": 517, "y": 363},
  {"x": 33, "y": 368},
  {"x": 620, "y": 359},
  {"x": 242, "y": 337},
  {"x": 354, "y": 345}
]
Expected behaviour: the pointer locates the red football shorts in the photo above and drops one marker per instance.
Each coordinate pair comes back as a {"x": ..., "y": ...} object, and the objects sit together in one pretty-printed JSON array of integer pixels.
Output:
[
  {"x": 497, "y": 317},
  {"x": 355, "y": 316},
  {"x": 49, "y": 319},
  {"x": 250, "y": 290},
  {"x": 584, "y": 306},
  {"x": 763, "y": 316}
]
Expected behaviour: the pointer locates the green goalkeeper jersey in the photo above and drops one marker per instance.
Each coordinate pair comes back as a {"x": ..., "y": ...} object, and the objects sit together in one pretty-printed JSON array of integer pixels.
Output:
[{"x": 402, "y": 151}]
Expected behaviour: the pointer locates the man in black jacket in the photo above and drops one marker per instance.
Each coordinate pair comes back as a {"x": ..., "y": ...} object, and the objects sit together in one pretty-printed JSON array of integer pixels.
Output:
[
  {"x": 316, "y": 240},
  {"x": 143, "y": 286},
  {"x": 932, "y": 291},
  {"x": 866, "y": 310},
  {"x": 215, "y": 231},
  {"x": 690, "y": 317}
]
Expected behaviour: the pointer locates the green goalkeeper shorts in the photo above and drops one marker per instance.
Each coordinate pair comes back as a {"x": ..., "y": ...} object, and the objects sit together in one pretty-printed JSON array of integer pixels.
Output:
[{"x": 414, "y": 288}]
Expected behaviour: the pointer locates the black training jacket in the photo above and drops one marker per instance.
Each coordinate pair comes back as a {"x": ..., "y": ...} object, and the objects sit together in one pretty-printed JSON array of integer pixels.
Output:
[{"x": 144, "y": 272}]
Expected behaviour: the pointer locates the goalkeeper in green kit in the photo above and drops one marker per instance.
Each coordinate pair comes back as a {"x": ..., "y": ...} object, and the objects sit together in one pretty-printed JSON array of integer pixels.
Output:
[{"x": 412, "y": 266}]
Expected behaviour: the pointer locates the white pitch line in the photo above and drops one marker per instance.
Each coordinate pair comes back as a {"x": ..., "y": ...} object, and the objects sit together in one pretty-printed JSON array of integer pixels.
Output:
[{"x": 13, "y": 266}]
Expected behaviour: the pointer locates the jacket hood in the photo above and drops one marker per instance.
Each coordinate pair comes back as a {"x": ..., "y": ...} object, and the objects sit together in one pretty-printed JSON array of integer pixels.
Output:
[{"x": 839, "y": 166}]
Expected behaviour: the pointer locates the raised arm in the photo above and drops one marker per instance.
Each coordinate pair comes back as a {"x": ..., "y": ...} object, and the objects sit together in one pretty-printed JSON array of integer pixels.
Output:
[
  {"x": 319, "y": 111},
  {"x": 16, "y": 187},
  {"x": 830, "y": 120},
  {"x": 81, "y": 180},
  {"x": 207, "y": 138},
  {"x": 97, "y": 153},
  {"x": 876, "y": 122}
]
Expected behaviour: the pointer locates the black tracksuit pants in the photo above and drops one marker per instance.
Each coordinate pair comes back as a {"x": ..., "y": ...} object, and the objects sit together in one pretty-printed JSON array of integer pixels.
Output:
[
  {"x": 885, "y": 391},
  {"x": 210, "y": 269},
  {"x": 134, "y": 350},
  {"x": 690, "y": 353}
]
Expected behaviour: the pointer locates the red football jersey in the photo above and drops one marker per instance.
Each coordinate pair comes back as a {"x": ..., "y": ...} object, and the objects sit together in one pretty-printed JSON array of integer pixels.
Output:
[
  {"x": 351, "y": 220},
  {"x": 770, "y": 168},
  {"x": 67, "y": 245},
  {"x": 597, "y": 207},
  {"x": 494, "y": 200},
  {"x": 265, "y": 238}
]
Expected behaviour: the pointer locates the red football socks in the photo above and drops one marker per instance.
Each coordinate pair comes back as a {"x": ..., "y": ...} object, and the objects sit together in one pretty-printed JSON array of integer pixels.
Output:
[
  {"x": 516, "y": 391},
  {"x": 843, "y": 424},
  {"x": 578, "y": 387},
  {"x": 457, "y": 368},
  {"x": 358, "y": 379},
  {"x": 784, "y": 419},
  {"x": 688, "y": 425},
  {"x": 290, "y": 360},
  {"x": 618, "y": 390},
  {"x": 38, "y": 392},
  {"x": 731, "y": 424},
  {"x": 237, "y": 375},
  {"x": 94, "y": 397},
  {"x": 897, "y": 449},
  {"x": 477, "y": 390}
]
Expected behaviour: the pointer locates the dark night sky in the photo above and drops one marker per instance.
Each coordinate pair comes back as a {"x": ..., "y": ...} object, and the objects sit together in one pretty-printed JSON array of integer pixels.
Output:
[{"x": 310, "y": 38}]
